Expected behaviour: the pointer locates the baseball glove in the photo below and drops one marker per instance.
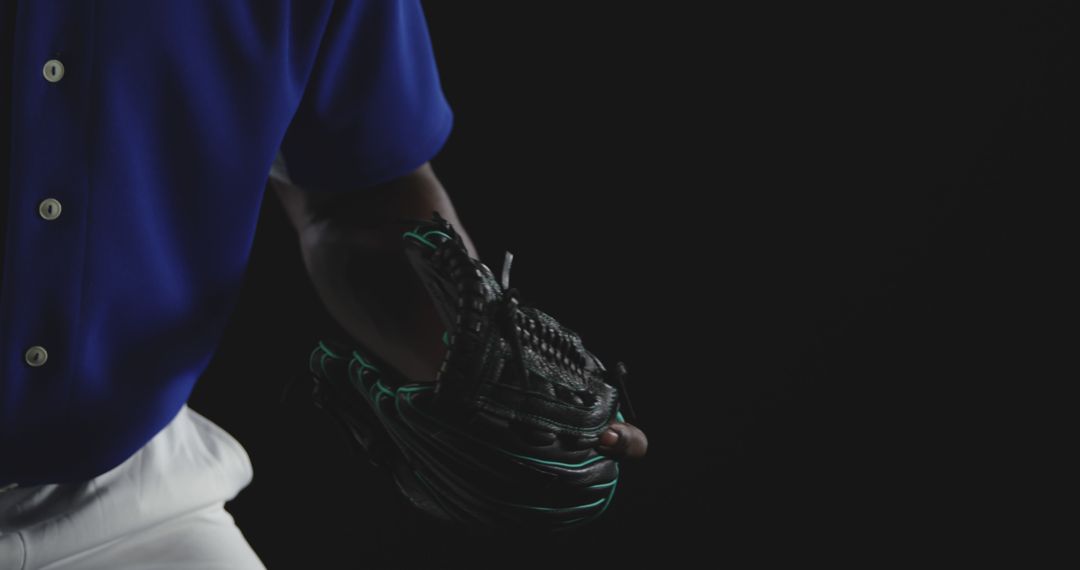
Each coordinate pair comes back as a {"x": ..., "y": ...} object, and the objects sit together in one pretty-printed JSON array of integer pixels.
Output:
[{"x": 504, "y": 437}]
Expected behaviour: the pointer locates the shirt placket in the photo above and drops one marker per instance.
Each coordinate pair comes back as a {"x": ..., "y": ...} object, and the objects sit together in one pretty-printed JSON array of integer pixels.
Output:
[{"x": 51, "y": 150}]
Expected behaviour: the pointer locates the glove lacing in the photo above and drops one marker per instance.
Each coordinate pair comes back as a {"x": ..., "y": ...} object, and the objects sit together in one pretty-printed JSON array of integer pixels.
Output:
[{"x": 559, "y": 346}]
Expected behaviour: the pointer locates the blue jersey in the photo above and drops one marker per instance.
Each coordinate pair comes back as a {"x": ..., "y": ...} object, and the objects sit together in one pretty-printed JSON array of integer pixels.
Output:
[{"x": 136, "y": 142}]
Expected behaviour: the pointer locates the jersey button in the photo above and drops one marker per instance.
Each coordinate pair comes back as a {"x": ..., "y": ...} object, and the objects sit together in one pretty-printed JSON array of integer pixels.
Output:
[
  {"x": 36, "y": 356},
  {"x": 49, "y": 208},
  {"x": 53, "y": 70}
]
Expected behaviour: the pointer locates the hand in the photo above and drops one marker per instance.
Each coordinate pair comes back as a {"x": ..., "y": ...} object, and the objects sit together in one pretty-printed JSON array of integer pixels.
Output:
[{"x": 623, "y": 441}]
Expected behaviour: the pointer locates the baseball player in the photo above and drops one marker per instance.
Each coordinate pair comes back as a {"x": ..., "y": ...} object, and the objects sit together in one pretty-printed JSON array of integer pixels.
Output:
[{"x": 136, "y": 140}]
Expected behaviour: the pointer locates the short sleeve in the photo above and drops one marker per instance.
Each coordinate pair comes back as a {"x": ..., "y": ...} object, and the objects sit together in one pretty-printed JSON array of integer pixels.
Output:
[{"x": 373, "y": 108}]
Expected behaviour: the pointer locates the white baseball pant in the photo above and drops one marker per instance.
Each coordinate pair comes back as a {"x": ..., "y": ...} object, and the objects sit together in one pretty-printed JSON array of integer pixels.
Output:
[{"x": 162, "y": 508}]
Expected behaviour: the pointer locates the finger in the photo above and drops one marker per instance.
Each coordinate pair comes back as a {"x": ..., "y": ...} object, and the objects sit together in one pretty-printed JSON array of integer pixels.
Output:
[{"x": 623, "y": 440}]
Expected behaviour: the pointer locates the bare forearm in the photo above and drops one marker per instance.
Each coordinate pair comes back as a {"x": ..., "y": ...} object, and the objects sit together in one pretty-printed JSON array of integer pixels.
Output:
[{"x": 352, "y": 249}]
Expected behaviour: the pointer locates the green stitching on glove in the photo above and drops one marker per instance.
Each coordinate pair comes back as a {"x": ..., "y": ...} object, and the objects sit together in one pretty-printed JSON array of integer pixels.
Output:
[
  {"x": 408, "y": 391},
  {"x": 423, "y": 238}
]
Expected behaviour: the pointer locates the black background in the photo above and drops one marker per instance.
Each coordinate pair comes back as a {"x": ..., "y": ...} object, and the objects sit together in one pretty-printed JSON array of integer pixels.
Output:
[{"x": 801, "y": 227}]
